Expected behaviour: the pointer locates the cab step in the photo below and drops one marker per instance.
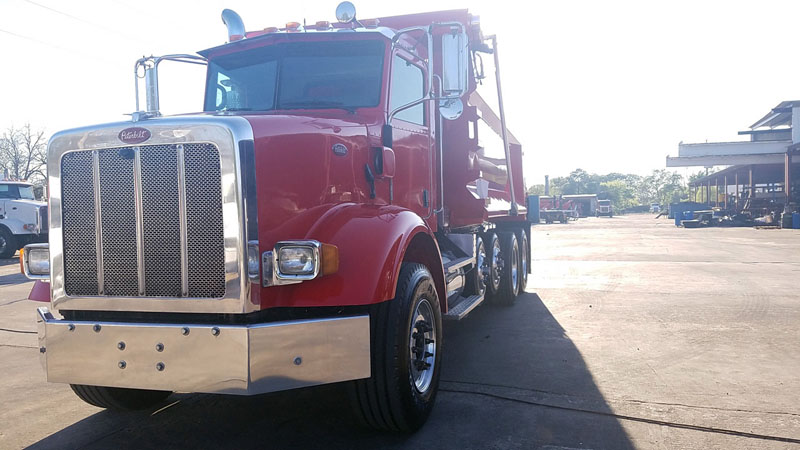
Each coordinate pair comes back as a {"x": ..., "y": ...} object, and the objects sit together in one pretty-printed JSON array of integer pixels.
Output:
[
  {"x": 453, "y": 265},
  {"x": 463, "y": 307}
]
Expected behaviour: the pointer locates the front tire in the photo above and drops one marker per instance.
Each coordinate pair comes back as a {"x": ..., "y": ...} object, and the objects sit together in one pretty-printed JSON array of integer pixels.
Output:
[
  {"x": 406, "y": 354},
  {"x": 119, "y": 399},
  {"x": 8, "y": 245}
]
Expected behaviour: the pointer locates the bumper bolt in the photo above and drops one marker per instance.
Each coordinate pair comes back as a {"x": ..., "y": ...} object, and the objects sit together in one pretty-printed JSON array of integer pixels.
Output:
[
  {"x": 122, "y": 364},
  {"x": 159, "y": 347},
  {"x": 160, "y": 367},
  {"x": 215, "y": 331},
  {"x": 42, "y": 349},
  {"x": 185, "y": 331},
  {"x": 121, "y": 345},
  {"x": 71, "y": 327},
  {"x": 298, "y": 361},
  {"x": 97, "y": 328}
]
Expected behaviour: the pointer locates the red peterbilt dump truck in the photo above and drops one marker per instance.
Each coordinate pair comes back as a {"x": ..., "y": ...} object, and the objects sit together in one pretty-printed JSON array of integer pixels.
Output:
[{"x": 336, "y": 199}]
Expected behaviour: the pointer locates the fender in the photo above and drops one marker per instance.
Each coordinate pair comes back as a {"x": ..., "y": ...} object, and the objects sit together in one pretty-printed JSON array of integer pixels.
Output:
[{"x": 373, "y": 241}]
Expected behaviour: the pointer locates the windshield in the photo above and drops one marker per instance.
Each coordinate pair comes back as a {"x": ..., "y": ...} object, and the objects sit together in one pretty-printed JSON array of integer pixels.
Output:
[
  {"x": 16, "y": 191},
  {"x": 297, "y": 75}
]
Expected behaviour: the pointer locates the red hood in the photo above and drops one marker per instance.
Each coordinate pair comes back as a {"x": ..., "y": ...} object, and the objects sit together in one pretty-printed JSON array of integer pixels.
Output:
[{"x": 299, "y": 175}]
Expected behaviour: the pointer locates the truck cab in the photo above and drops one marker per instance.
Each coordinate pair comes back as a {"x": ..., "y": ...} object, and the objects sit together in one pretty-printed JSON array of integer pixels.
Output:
[
  {"x": 604, "y": 208},
  {"x": 23, "y": 219},
  {"x": 344, "y": 191}
]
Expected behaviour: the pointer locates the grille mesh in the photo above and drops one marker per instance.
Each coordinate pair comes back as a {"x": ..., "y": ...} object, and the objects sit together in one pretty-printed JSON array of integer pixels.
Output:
[
  {"x": 160, "y": 222},
  {"x": 80, "y": 246},
  {"x": 206, "y": 246},
  {"x": 118, "y": 215},
  {"x": 162, "y": 240}
]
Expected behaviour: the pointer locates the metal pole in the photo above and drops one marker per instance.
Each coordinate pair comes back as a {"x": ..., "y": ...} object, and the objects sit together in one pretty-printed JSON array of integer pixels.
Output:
[
  {"x": 503, "y": 125},
  {"x": 737, "y": 190},
  {"x": 726, "y": 191}
]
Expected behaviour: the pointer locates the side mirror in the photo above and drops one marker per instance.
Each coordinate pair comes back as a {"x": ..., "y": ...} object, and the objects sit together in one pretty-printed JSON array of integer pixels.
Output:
[
  {"x": 384, "y": 162},
  {"x": 455, "y": 65},
  {"x": 386, "y": 135}
]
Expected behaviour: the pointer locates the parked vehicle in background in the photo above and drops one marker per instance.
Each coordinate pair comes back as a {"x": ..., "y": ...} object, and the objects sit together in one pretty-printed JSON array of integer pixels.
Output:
[
  {"x": 604, "y": 208},
  {"x": 337, "y": 199},
  {"x": 655, "y": 208},
  {"x": 23, "y": 219}
]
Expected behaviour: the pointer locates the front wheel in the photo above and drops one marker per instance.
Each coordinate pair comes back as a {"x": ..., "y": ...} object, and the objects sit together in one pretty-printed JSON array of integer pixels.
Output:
[
  {"x": 120, "y": 399},
  {"x": 509, "y": 277},
  {"x": 406, "y": 355},
  {"x": 7, "y": 244}
]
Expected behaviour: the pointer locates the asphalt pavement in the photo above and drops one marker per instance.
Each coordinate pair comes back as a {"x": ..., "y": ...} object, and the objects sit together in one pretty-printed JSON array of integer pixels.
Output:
[{"x": 631, "y": 334}]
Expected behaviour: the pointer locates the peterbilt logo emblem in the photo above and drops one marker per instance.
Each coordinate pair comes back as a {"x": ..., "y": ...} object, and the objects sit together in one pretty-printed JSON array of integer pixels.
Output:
[
  {"x": 135, "y": 135},
  {"x": 339, "y": 149}
]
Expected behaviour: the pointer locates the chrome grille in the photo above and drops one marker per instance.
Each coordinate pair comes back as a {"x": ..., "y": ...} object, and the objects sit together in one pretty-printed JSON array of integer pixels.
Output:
[{"x": 139, "y": 189}]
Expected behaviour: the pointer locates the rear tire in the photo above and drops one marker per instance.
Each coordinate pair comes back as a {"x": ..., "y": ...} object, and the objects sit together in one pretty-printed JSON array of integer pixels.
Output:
[
  {"x": 8, "y": 245},
  {"x": 406, "y": 354},
  {"x": 509, "y": 278},
  {"x": 494, "y": 263},
  {"x": 478, "y": 275},
  {"x": 119, "y": 399},
  {"x": 522, "y": 238}
]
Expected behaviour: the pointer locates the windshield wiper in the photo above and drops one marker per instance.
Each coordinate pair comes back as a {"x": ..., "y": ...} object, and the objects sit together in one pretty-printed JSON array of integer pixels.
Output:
[{"x": 317, "y": 104}]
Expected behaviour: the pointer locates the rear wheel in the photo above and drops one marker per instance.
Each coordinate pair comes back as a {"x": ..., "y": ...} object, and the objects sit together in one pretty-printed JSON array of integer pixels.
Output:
[
  {"x": 8, "y": 245},
  {"x": 406, "y": 356},
  {"x": 477, "y": 278},
  {"x": 120, "y": 399},
  {"x": 509, "y": 277},
  {"x": 494, "y": 264},
  {"x": 522, "y": 238}
]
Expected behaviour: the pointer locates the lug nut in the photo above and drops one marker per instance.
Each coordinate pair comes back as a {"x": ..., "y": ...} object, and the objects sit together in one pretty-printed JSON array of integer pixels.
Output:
[
  {"x": 121, "y": 345},
  {"x": 159, "y": 347},
  {"x": 160, "y": 367},
  {"x": 97, "y": 328},
  {"x": 298, "y": 361},
  {"x": 215, "y": 331},
  {"x": 185, "y": 331},
  {"x": 122, "y": 364}
]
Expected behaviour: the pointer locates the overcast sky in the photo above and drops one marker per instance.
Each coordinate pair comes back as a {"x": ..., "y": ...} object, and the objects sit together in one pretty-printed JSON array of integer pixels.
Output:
[{"x": 601, "y": 85}]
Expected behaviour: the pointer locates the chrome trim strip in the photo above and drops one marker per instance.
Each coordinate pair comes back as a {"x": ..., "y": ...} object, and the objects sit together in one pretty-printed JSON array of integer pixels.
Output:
[
  {"x": 224, "y": 132},
  {"x": 182, "y": 217},
  {"x": 226, "y": 359},
  {"x": 98, "y": 233},
  {"x": 137, "y": 202}
]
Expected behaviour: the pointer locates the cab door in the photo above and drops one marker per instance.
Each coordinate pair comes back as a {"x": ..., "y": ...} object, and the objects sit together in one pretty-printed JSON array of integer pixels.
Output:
[{"x": 412, "y": 183}]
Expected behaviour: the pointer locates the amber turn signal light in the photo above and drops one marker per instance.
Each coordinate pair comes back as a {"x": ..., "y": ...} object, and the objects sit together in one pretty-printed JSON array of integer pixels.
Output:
[{"x": 330, "y": 259}]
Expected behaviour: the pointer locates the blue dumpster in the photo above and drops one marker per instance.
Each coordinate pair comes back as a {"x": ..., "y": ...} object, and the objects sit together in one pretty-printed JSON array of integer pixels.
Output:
[{"x": 796, "y": 221}]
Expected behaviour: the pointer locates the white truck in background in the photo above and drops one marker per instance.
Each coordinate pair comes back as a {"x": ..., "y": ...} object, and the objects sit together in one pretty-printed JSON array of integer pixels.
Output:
[{"x": 23, "y": 219}]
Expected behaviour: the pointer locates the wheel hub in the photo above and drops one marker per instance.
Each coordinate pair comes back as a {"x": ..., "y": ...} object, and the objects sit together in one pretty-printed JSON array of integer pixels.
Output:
[{"x": 422, "y": 346}]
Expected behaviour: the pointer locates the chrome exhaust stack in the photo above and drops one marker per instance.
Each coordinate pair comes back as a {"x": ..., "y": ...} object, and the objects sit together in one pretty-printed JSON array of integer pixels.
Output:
[{"x": 233, "y": 21}]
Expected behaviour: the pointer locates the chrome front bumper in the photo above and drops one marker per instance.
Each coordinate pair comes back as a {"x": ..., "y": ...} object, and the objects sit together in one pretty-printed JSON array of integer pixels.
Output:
[{"x": 242, "y": 360}]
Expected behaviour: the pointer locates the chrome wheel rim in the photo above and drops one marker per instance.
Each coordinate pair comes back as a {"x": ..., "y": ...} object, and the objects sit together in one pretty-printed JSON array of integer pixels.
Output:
[
  {"x": 422, "y": 346},
  {"x": 524, "y": 261},
  {"x": 514, "y": 267},
  {"x": 483, "y": 267},
  {"x": 497, "y": 264}
]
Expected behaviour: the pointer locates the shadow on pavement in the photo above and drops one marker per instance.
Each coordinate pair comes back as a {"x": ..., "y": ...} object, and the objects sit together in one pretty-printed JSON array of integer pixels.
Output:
[{"x": 517, "y": 352}]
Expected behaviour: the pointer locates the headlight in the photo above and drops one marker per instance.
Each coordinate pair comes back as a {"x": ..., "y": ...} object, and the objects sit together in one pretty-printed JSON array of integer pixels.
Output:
[
  {"x": 297, "y": 261},
  {"x": 36, "y": 261}
]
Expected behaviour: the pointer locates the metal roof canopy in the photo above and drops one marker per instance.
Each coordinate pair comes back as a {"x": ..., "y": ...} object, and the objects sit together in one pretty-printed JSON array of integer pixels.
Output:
[
  {"x": 780, "y": 115},
  {"x": 762, "y": 174}
]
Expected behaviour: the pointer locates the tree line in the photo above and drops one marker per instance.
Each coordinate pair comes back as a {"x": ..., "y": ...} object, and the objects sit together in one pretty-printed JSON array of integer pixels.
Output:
[
  {"x": 624, "y": 190},
  {"x": 23, "y": 154}
]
